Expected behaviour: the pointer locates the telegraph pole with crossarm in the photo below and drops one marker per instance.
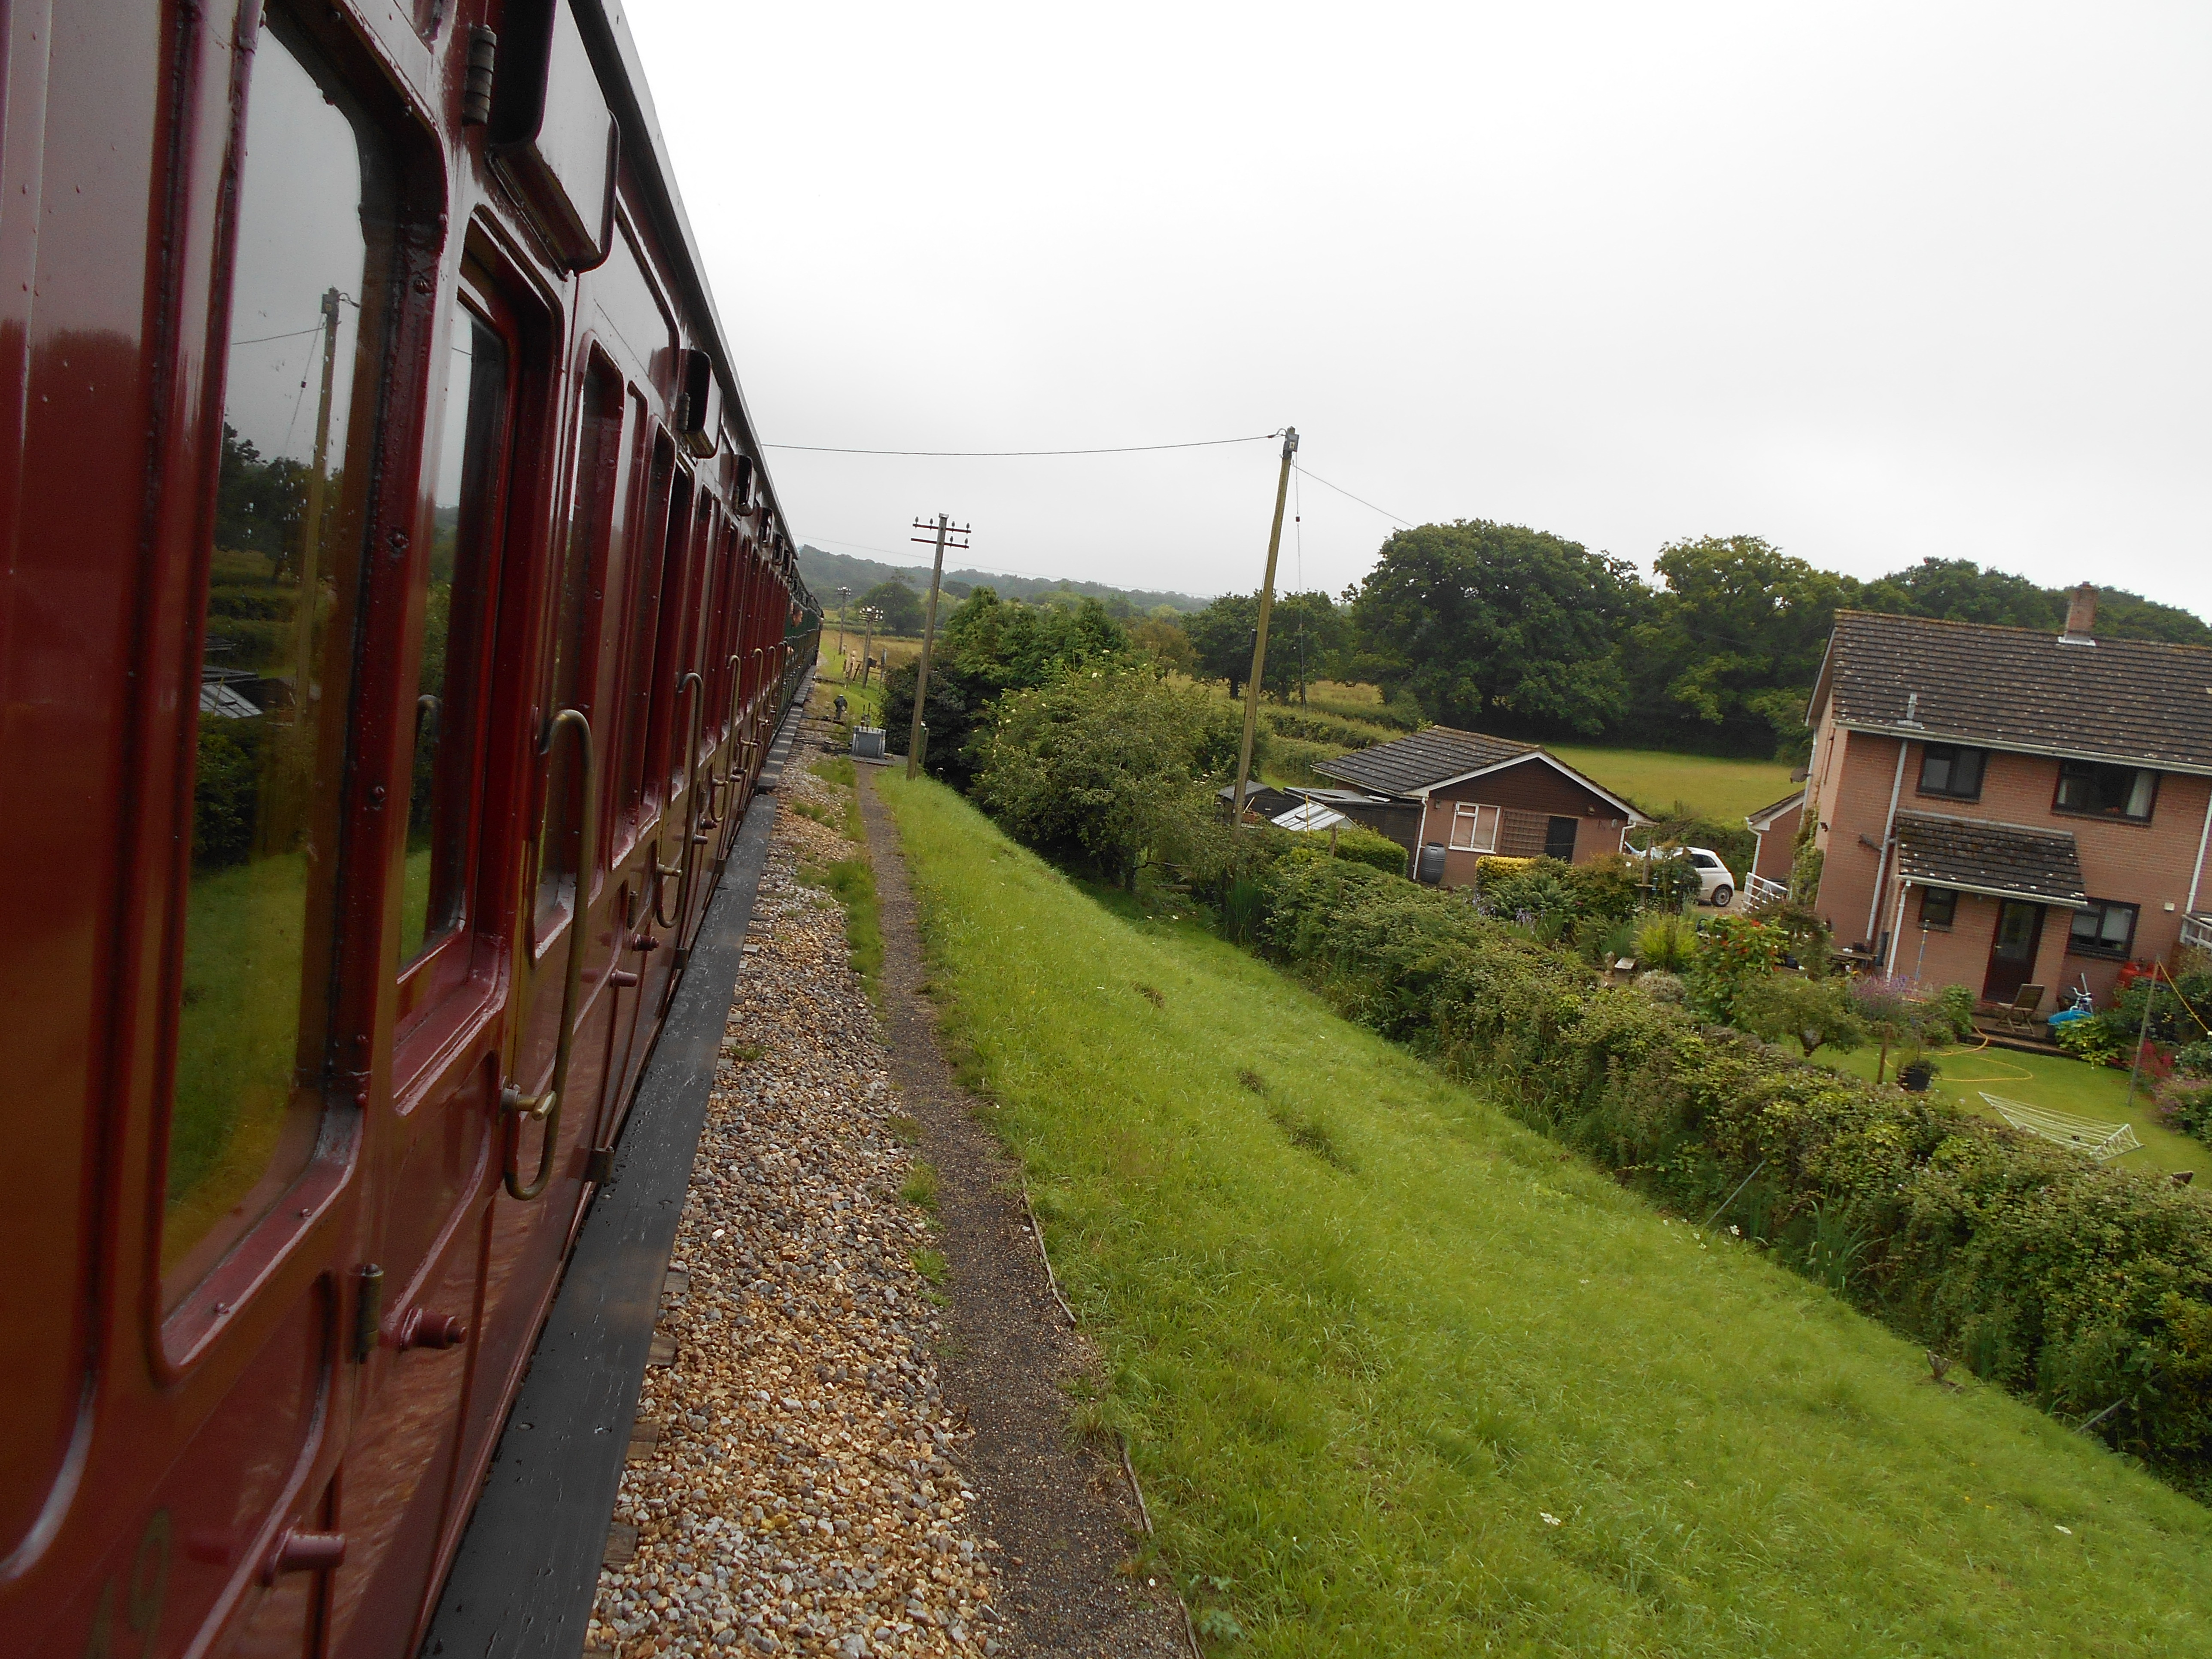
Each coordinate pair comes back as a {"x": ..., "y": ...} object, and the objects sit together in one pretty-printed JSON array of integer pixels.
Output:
[{"x": 920, "y": 733}]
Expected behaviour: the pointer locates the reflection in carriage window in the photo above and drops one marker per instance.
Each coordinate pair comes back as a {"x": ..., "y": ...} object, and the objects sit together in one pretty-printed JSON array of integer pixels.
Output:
[
  {"x": 275, "y": 678},
  {"x": 462, "y": 506}
]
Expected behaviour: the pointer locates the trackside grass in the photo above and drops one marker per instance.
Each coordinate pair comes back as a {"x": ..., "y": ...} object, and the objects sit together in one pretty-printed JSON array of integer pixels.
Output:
[{"x": 1400, "y": 1378}]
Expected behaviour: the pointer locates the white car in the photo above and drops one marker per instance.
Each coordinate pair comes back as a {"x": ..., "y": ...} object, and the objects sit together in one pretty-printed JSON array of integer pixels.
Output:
[{"x": 1716, "y": 884}]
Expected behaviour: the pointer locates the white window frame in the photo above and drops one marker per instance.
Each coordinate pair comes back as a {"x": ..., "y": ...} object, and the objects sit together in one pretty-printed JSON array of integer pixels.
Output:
[{"x": 1470, "y": 819}]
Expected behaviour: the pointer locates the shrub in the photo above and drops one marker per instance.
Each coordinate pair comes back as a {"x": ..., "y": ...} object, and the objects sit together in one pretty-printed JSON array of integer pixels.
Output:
[
  {"x": 2093, "y": 1041},
  {"x": 1668, "y": 942},
  {"x": 1106, "y": 764},
  {"x": 2084, "y": 1286},
  {"x": 1955, "y": 1005},
  {"x": 1734, "y": 955},
  {"x": 1813, "y": 1013},
  {"x": 1365, "y": 846}
]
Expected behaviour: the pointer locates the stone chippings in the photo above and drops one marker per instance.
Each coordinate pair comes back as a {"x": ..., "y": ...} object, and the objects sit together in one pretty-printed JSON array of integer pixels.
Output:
[{"x": 805, "y": 1494}]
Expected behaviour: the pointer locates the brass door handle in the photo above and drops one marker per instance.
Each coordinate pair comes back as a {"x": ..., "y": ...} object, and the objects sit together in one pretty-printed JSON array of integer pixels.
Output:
[{"x": 516, "y": 1107}]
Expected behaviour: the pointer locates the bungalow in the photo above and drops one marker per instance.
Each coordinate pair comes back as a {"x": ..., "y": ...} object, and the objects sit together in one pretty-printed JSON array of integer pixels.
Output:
[
  {"x": 1449, "y": 797},
  {"x": 2004, "y": 807}
]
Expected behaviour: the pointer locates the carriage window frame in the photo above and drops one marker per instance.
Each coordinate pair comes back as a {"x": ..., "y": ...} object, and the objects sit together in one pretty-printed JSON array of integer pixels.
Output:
[
  {"x": 449, "y": 963},
  {"x": 191, "y": 1302}
]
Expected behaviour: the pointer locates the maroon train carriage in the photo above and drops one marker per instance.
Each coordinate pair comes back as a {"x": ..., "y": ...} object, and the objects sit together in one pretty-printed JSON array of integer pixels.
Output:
[{"x": 392, "y": 616}]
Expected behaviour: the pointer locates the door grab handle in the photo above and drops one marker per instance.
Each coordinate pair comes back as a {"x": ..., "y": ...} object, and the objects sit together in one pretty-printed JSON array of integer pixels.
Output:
[
  {"x": 681, "y": 870},
  {"x": 514, "y": 1105}
]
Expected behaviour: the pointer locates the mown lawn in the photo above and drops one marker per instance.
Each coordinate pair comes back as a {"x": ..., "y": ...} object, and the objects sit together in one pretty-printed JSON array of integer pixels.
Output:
[
  {"x": 1654, "y": 779},
  {"x": 2056, "y": 1084},
  {"x": 1402, "y": 1379}
]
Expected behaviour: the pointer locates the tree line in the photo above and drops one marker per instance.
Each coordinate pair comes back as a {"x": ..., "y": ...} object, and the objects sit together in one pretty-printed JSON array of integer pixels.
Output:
[{"x": 1502, "y": 628}]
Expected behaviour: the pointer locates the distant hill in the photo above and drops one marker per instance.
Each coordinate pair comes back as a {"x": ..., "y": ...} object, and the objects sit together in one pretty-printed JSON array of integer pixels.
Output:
[{"x": 825, "y": 572}]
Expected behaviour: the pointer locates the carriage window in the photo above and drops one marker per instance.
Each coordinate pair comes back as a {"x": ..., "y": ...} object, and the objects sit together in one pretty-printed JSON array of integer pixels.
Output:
[
  {"x": 274, "y": 681},
  {"x": 464, "y": 521},
  {"x": 598, "y": 455}
]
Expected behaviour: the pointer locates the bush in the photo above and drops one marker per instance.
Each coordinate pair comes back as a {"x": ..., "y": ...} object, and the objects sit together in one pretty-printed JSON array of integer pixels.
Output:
[
  {"x": 1813, "y": 1013},
  {"x": 1364, "y": 846},
  {"x": 1955, "y": 1005},
  {"x": 1668, "y": 942},
  {"x": 1734, "y": 955},
  {"x": 2093, "y": 1042},
  {"x": 2083, "y": 1286},
  {"x": 1108, "y": 765}
]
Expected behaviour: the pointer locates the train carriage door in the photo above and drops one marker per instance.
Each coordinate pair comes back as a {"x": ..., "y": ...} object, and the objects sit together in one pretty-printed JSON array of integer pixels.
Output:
[
  {"x": 451, "y": 937},
  {"x": 267, "y": 1067},
  {"x": 572, "y": 927}
]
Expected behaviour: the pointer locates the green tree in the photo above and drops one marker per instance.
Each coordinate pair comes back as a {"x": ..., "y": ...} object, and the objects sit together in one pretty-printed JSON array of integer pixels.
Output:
[
  {"x": 1498, "y": 627},
  {"x": 1813, "y": 1013},
  {"x": 1306, "y": 632},
  {"x": 1167, "y": 642},
  {"x": 1104, "y": 764},
  {"x": 1728, "y": 654},
  {"x": 901, "y": 606},
  {"x": 1221, "y": 640}
]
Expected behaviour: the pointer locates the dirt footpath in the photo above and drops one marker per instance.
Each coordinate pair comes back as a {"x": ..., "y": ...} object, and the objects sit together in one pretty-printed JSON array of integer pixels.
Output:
[{"x": 1062, "y": 1510}]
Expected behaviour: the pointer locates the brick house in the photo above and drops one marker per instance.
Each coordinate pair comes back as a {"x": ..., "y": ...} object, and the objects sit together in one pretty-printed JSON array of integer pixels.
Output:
[
  {"x": 2003, "y": 807},
  {"x": 1456, "y": 796}
]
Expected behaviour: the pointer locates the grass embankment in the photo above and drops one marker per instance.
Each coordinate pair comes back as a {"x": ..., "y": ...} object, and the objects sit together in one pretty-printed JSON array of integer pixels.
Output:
[
  {"x": 2057, "y": 1084},
  {"x": 1402, "y": 1379}
]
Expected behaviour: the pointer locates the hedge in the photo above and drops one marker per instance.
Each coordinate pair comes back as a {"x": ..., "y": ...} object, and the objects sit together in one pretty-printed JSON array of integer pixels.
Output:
[{"x": 2082, "y": 1286}]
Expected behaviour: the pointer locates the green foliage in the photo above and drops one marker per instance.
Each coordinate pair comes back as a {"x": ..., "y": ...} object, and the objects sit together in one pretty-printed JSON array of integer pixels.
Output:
[
  {"x": 1734, "y": 954},
  {"x": 1104, "y": 765},
  {"x": 1955, "y": 1005},
  {"x": 2093, "y": 1042},
  {"x": 1667, "y": 940},
  {"x": 1364, "y": 846},
  {"x": 1497, "y": 628},
  {"x": 1358, "y": 1402},
  {"x": 2081, "y": 1285},
  {"x": 1167, "y": 642},
  {"x": 1809, "y": 1013},
  {"x": 985, "y": 647},
  {"x": 1552, "y": 890},
  {"x": 852, "y": 881},
  {"x": 1732, "y": 646},
  {"x": 226, "y": 790},
  {"x": 902, "y": 609}
]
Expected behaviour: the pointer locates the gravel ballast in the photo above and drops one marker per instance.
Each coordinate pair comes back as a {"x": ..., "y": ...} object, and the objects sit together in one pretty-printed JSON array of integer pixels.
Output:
[{"x": 794, "y": 1480}]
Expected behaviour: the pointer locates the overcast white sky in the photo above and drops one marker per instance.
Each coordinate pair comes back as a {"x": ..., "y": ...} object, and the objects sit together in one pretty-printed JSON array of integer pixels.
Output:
[{"x": 1874, "y": 282}]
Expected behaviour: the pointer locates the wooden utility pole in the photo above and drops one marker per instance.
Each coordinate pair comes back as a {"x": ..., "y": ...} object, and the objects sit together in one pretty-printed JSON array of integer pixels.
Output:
[
  {"x": 913, "y": 741},
  {"x": 868, "y": 618},
  {"x": 843, "y": 594},
  {"x": 1260, "y": 634}
]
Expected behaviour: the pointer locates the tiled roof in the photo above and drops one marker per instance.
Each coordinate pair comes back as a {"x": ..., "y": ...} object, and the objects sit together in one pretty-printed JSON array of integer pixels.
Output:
[
  {"x": 1764, "y": 818},
  {"x": 2019, "y": 688},
  {"x": 1992, "y": 858},
  {"x": 1407, "y": 764}
]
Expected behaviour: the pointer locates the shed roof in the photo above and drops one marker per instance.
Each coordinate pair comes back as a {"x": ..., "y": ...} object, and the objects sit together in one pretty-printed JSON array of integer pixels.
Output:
[
  {"x": 1412, "y": 767},
  {"x": 1764, "y": 817},
  {"x": 2138, "y": 701},
  {"x": 1406, "y": 766},
  {"x": 2009, "y": 860}
]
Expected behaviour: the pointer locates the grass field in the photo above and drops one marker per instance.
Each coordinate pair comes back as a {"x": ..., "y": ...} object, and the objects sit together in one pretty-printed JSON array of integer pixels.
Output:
[
  {"x": 1401, "y": 1378},
  {"x": 2057, "y": 1084},
  {"x": 1654, "y": 779}
]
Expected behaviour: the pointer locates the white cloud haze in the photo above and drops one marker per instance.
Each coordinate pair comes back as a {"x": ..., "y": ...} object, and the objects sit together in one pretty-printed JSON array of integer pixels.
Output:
[{"x": 1877, "y": 282}]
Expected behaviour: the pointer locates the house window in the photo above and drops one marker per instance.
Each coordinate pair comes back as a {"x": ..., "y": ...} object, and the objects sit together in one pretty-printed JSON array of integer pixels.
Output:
[
  {"x": 1939, "y": 907},
  {"x": 2112, "y": 792},
  {"x": 1475, "y": 828},
  {"x": 1559, "y": 838},
  {"x": 1948, "y": 770},
  {"x": 2104, "y": 929}
]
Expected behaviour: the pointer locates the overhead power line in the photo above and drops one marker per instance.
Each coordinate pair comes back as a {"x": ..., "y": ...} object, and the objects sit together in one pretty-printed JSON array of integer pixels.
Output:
[
  {"x": 1007, "y": 454},
  {"x": 1393, "y": 517}
]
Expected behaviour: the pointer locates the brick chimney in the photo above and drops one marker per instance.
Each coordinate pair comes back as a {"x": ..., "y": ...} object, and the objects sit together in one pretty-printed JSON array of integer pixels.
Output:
[{"x": 2081, "y": 616}]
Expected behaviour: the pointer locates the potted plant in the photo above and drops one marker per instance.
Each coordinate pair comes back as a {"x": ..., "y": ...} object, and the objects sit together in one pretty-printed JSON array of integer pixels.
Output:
[{"x": 1914, "y": 1070}]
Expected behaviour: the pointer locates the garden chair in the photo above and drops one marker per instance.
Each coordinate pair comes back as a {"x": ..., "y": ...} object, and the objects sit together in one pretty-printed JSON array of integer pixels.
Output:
[{"x": 2020, "y": 1013}]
